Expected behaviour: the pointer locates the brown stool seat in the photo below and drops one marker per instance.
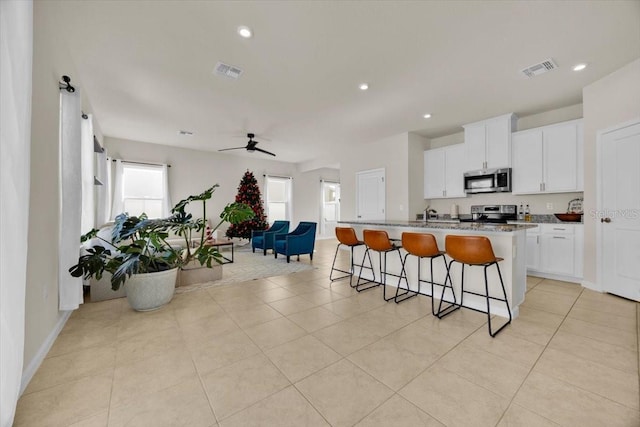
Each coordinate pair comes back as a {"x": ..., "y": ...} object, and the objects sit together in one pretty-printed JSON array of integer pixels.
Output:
[
  {"x": 421, "y": 245},
  {"x": 470, "y": 250},
  {"x": 378, "y": 241},
  {"x": 473, "y": 251},
  {"x": 346, "y": 236}
]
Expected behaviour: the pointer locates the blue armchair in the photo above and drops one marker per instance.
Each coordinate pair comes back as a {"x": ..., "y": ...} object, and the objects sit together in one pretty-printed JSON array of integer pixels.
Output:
[
  {"x": 299, "y": 241},
  {"x": 263, "y": 239}
]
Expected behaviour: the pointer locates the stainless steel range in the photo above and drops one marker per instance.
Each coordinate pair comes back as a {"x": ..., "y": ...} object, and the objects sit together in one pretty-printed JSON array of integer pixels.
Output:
[{"x": 496, "y": 214}]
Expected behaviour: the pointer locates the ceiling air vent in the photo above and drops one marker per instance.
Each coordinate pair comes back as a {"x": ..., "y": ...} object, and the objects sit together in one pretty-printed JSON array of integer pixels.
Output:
[
  {"x": 227, "y": 70},
  {"x": 540, "y": 68}
]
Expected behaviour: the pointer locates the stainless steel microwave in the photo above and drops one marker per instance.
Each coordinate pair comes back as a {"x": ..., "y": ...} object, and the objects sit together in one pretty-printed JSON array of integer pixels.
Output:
[{"x": 488, "y": 181}]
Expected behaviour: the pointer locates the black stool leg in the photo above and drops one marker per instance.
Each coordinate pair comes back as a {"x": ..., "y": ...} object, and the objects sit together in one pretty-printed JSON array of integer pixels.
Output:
[
  {"x": 373, "y": 273},
  {"x": 403, "y": 274},
  {"x": 333, "y": 265},
  {"x": 454, "y": 305},
  {"x": 504, "y": 292},
  {"x": 432, "y": 282},
  {"x": 383, "y": 274},
  {"x": 349, "y": 273}
]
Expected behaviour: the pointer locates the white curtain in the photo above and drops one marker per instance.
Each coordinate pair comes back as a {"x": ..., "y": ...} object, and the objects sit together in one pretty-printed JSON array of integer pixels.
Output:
[
  {"x": 16, "y": 51},
  {"x": 102, "y": 192},
  {"x": 166, "y": 205},
  {"x": 88, "y": 174},
  {"x": 117, "y": 206},
  {"x": 70, "y": 175}
]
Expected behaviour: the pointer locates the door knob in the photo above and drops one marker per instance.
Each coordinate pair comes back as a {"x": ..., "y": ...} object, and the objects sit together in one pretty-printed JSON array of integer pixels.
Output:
[{"x": 607, "y": 220}]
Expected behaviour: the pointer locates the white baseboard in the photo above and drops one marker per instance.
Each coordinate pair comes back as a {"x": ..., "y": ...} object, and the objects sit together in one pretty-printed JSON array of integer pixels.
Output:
[
  {"x": 552, "y": 276},
  {"x": 591, "y": 285},
  {"x": 30, "y": 370}
]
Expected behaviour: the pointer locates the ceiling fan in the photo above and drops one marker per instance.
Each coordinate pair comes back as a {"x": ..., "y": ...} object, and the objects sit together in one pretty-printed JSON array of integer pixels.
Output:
[{"x": 251, "y": 146}]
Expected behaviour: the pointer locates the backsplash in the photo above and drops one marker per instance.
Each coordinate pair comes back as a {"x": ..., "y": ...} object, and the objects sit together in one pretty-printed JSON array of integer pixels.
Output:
[
  {"x": 537, "y": 202},
  {"x": 535, "y": 219}
]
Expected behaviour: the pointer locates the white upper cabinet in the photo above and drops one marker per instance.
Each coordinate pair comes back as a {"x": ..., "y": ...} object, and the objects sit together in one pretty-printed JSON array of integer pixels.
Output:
[
  {"x": 548, "y": 159},
  {"x": 488, "y": 143},
  {"x": 443, "y": 172}
]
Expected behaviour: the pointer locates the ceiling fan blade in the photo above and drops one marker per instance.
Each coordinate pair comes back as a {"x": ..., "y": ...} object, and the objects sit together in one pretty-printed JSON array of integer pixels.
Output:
[
  {"x": 264, "y": 151},
  {"x": 235, "y": 148}
]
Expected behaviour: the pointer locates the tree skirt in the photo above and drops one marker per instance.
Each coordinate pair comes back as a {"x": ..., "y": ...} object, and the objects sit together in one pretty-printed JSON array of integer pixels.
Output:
[{"x": 250, "y": 266}]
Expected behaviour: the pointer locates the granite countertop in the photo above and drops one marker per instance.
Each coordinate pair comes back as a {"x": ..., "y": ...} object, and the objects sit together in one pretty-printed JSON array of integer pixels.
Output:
[{"x": 445, "y": 225}]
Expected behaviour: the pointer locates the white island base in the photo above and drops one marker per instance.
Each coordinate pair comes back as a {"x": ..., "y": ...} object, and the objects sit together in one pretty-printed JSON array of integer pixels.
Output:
[{"x": 508, "y": 241}]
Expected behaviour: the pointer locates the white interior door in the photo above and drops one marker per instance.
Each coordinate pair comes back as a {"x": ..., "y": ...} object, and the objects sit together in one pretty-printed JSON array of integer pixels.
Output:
[
  {"x": 330, "y": 208},
  {"x": 370, "y": 194},
  {"x": 619, "y": 213}
]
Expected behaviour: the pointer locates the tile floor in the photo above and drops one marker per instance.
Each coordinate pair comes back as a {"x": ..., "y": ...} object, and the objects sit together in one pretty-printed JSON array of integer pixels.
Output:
[{"x": 298, "y": 351}]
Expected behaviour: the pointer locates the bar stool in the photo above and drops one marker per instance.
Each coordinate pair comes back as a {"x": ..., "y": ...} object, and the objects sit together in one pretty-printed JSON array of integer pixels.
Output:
[
  {"x": 420, "y": 245},
  {"x": 377, "y": 241},
  {"x": 346, "y": 236},
  {"x": 473, "y": 251}
]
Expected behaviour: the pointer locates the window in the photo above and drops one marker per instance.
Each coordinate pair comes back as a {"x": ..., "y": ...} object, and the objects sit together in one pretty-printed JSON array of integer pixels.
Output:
[
  {"x": 142, "y": 190},
  {"x": 140, "y": 187},
  {"x": 278, "y": 195}
]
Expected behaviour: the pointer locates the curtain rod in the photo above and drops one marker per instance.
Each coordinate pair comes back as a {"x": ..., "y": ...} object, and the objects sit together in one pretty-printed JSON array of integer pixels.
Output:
[
  {"x": 329, "y": 181},
  {"x": 140, "y": 163},
  {"x": 277, "y": 176},
  {"x": 65, "y": 84}
]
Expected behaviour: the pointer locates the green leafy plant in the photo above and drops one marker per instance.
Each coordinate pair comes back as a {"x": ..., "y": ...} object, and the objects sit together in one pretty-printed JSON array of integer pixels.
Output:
[{"x": 140, "y": 245}]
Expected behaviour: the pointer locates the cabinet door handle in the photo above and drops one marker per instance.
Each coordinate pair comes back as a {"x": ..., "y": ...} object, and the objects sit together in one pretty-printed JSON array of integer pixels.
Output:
[
  {"x": 559, "y": 237},
  {"x": 540, "y": 186},
  {"x": 443, "y": 193},
  {"x": 560, "y": 229},
  {"x": 537, "y": 240}
]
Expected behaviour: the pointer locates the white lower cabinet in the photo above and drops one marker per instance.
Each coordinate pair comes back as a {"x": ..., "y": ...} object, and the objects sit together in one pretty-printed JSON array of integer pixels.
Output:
[
  {"x": 557, "y": 254},
  {"x": 533, "y": 248},
  {"x": 556, "y": 250}
]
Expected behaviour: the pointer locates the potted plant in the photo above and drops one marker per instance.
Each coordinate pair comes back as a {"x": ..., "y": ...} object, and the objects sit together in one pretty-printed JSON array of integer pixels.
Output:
[{"x": 140, "y": 255}]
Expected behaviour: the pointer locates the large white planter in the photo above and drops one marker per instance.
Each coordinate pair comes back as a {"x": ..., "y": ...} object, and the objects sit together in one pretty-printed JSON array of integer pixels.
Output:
[
  {"x": 195, "y": 273},
  {"x": 150, "y": 291}
]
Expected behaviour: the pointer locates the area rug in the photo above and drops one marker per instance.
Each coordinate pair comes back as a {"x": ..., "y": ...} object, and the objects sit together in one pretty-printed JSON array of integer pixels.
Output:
[{"x": 250, "y": 266}]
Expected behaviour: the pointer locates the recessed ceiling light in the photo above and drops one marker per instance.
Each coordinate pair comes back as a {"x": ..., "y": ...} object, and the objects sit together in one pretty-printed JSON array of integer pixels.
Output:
[
  {"x": 427, "y": 116},
  {"x": 579, "y": 67},
  {"x": 185, "y": 133},
  {"x": 363, "y": 86},
  {"x": 245, "y": 31}
]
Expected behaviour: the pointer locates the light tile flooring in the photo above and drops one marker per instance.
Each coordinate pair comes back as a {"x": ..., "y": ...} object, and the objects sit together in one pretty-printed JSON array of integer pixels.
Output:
[{"x": 297, "y": 351}]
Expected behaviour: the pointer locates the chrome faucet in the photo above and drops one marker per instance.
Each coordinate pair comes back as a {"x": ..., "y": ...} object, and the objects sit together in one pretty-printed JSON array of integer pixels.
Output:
[{"x": 430, "y": 213}]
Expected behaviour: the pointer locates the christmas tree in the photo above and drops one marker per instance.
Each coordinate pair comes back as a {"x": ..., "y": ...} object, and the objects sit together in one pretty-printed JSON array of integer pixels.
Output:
[{"x": 249, "y": 193}]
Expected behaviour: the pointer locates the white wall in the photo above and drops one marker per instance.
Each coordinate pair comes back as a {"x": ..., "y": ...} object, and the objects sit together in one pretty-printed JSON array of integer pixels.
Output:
[
  {"x": 307, "y": 194},
  {"x": 41, "y": 307},
  {"x": 417, "y": 145},
  {"x": 610, "y": 101},
  {"x": 550, "y": 117},
  {"x": 389, "y": 153},
  {"x": 16, "y": 55},
  {"x": 193, "y": 171}
]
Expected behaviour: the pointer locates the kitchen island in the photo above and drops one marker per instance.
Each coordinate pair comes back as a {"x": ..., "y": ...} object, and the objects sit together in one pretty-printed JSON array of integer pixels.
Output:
[{"x": 508, "y": 241}]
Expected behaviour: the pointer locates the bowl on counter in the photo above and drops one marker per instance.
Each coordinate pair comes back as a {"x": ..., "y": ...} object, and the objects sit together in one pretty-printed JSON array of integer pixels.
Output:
[{"x": 569, "y": 217}]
